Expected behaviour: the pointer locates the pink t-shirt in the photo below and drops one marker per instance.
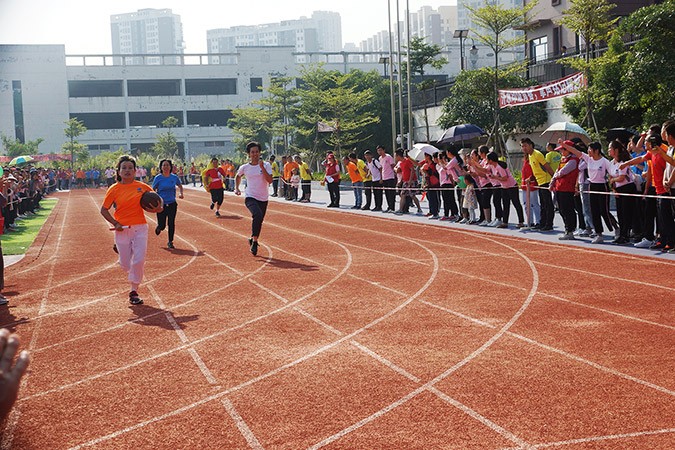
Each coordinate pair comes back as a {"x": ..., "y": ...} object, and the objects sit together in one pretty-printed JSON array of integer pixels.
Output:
[
  {"x": 387, "y": 162},
  {"x": 502, "y": 172}
]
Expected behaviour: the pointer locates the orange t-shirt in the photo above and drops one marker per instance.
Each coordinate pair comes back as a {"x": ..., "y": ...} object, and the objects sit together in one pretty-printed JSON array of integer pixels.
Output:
[
  {"x": 127, "y": 200},
  {"x": 354, "y": 174},
  {"x": 288, "y": 169},
  {"x": 80, "y": 174}
]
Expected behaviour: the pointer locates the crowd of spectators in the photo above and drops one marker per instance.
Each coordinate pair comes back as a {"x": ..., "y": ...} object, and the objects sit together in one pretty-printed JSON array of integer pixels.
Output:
[
  {"x": 575, "y": 180},
  {"x": 23, "y": 189}
]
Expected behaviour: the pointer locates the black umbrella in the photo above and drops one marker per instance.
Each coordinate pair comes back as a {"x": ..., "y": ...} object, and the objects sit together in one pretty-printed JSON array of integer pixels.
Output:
[
  {"x": 460, "y": 133},
  {"x": 621, "y": 134}
]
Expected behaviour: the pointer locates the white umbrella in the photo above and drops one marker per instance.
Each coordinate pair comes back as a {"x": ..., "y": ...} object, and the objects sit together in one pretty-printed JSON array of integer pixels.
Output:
[
  {"x": 565, "y": 131},
  {"x": 419, "y": 150}
]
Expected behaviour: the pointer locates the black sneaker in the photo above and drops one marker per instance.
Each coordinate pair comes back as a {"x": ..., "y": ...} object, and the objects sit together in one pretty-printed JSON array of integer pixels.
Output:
[
  {"x": 158, "y": 230},
  {"x": 250, "y": 241},
  {"x": 134, "y": 299},
  {"x": 254, "y": 248},
  {"x": 217, "y": 213},
  {"x": 115, "y": 249},
  {"x": 170, "y": 244},
  {"x": 212, "y": 205}
]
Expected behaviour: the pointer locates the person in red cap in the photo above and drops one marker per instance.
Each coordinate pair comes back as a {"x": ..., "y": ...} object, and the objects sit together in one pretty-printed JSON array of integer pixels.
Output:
[{"x": 564, "y": 182}]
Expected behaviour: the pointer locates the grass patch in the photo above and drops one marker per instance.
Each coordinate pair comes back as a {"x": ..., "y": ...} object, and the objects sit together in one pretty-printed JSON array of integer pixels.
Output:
[{"x": 17, "y": 241}]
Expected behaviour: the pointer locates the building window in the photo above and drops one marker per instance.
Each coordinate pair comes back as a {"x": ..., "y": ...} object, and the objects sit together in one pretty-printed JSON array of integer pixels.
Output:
[
  {"x": 210, "y": 118},
  {"x": 539, "y": 49},
  {"x": 101, "y": 121},
  {"x": 150, "y": 88},
  {"x": 153, "y": 118},
  {"x": 211, "y": 86},
  {"x": 256, "y": 84},
  {"x": 95, "y": 88}
]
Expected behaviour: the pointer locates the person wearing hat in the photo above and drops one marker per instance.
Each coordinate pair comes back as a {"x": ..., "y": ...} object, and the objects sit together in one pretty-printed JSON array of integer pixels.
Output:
[{"x": 564, "y": 182}]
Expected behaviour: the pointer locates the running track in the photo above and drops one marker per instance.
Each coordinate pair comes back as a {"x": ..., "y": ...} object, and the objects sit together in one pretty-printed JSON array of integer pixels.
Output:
[{"x": 346, "y": 332}]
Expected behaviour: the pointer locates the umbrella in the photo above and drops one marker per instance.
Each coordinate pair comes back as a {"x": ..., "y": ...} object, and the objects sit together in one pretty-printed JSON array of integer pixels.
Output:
[
  {"x": 21, "y": 160},
  {"x": 418, "y": 151},
  {"x": 460, "y": 133},
  {"x": 565, "y": 131},
  {"x": 622, "y": 134}
]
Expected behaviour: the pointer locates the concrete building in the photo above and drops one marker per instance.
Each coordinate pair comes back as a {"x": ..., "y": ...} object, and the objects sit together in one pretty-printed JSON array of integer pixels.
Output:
[
  {"x": 124, "y": 105},
  {"x": 322, "y": 32},
  {"x": 146, "y": 31}
]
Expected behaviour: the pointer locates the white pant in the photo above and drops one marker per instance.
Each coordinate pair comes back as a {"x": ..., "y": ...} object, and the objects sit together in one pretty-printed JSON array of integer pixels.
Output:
[
  {"x": 535, "y": 210},
  {"x": 132, "y": 245}
]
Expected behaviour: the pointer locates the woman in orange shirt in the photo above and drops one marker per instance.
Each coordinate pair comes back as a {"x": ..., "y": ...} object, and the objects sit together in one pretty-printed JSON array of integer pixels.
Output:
[{"x": 131, "y": 228}]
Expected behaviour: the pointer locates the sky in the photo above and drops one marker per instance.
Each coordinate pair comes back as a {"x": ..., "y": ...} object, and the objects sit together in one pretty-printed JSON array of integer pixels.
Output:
[{"x": 83, "y": 26}]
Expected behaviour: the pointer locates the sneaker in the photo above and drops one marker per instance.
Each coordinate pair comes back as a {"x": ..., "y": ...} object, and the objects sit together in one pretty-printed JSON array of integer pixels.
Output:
[
  {"x": 170, "y": 244},
  {"x": 398, "y": 213},
  {"x": 494, "y": 223},
  {"x": 536, "y": 226},
  {"x": 356, "y": 207},
  {"x": 620, "y": 241},
  {"x": 667, "y": 248},
  {"x": 376, "y": 209},
  {"x": 644, "y": 243},
  {"x": 453, "y": 218},
  {"x": 464, "y": 220},
  {"x": 444, "y": 218},
  {"x": 656, "y": 245},
  {"x": 502, "y": 225},
  {"x": 586, "y": 233},
  {"x": 672, "y": 251},
  {"x": 567, "y": 237},
  {"x": 434, "y": 217},
  {"x": 546, "y": 229},
  {"x": 134, "y": 299},
  {"x": 420, "y": 212},
  {"x": 474, "y": 222},
  {"x": 365, "y": 208},
  {"x": 3, "y": 300},
  {"x": 217, "y": 213},
  {"x": 484, "y": 223},
  {"x": 521, "y": 225},
  {"x": 598, "y": 240},
  {"x": 254, "y": 248},
  {"x": 158, "y": 230},
  {"x": 212, "y": 205},
  {"x": 115, "y": 249}
]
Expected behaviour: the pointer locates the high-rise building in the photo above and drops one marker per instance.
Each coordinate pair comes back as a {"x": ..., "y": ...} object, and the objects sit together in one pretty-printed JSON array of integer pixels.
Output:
[
  {"x": 146, "y": 31},
  {"x": 322, "y": 32}
]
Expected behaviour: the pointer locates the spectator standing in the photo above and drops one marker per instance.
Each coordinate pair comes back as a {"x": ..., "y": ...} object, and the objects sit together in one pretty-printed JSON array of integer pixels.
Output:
[
  {"x": 305, "y": 179},
  {"x": 529, "y": 193},
  {"x": 356, "y": 179},
  {"x": 375, "y": 171},
  {"x": 388, "y": 178},
  {"x": 332, "y": 180},
  {"x": 563, "y": 183},
  {"x": 542, "y": 173},
  {"x": 275, "y": 175}
]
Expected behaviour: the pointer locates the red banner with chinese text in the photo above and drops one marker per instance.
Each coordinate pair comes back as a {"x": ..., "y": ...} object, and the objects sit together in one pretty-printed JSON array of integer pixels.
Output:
[{"x": 534, "y": 94}]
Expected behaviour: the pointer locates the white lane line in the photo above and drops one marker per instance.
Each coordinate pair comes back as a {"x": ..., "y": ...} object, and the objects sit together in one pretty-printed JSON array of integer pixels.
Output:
[
  {"x": 478, "y": 417},
  {"x": 202, "y": 339},
  {"x": 501, "y": 332},
  {"x": 561, "y": 299},
  {"x": 386, "y": 362},
  {"x": 15, "y": 415},
  {"x": 604, "y": 438},
  {"x": 567, "y": 355},
  {"x": 285, "y": 366},
  {"x": 241, "y": 424},
  {"x": 183, "y": 338}
]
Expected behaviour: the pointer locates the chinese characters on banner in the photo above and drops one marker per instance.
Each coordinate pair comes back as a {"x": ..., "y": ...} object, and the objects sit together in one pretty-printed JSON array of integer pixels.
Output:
[{"x": 559, "y": 88}]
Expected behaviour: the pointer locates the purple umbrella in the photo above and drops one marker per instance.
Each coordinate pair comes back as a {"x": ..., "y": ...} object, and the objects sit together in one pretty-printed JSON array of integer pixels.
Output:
[{"x": 460, "y": 133}]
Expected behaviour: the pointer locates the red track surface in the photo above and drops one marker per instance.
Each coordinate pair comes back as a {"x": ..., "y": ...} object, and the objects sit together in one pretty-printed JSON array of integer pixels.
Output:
[{"x": 346, "y": 331}]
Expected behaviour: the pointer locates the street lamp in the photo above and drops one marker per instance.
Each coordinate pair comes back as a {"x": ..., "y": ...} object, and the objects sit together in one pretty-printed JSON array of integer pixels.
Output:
[
  {"x": 461, "y": 34},
  {"x": 473, "y": 56},
  {"x": 384, "y": 60}
]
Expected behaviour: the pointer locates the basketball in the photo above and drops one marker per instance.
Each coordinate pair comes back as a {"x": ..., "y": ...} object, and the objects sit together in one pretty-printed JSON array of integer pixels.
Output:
[{"x": 150, "y": 201}]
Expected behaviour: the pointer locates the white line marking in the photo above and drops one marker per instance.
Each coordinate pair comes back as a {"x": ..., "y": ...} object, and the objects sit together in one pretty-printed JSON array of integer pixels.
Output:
[
  {"x": 241, "y": 424},
  {"x": 605, "y": 438},
  {"x": 386, "y": 362}
]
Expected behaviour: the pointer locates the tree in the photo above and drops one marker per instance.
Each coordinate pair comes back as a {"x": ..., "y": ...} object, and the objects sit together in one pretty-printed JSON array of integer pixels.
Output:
[
  {"x": 606, "y": 91},
  {"x": 166, "y": 145},
  {"x": 591, "y": 20},
  {"x": 252, "y": 123},
  {"x": 14, "y": 147},
  {"x": 493, "y": 20},
  {"x": 471, "y": 101},
  {"x": 649, "y": 75},
  {"x": 333, "y": 97},
  {"x": 280, "y": 103},
  {"x": 75, "y": 128},
  {"x": 422, "y": 55}
]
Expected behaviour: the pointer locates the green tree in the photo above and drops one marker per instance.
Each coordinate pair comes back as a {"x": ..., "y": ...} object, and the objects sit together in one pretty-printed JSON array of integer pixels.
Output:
[
  {"x": 606, "y": 91},
  {"x": 252, "y": 123},
  {"x": 166, "y": 145},
  {"x": 14, "y": 147},
  {"x": 421, "y": 56},
  {"x": 280, "y": 102},
  {"x": 493, "y": 20},
  {"x": 335, "y": 98},
  {"x": 591, "y": 20},
  {"x": 471, "y": 101},
  {"x": 649, "y": 76},
  {"x": 79, "y": 152}
]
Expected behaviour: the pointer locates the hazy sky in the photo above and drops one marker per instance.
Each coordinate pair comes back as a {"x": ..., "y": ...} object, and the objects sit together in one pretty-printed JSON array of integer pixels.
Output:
[{"x": 84, "y": 25}]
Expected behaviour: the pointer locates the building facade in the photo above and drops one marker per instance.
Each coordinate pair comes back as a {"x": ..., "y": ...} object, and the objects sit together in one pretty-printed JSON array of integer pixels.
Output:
[{"x": 146, "y": 31}]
